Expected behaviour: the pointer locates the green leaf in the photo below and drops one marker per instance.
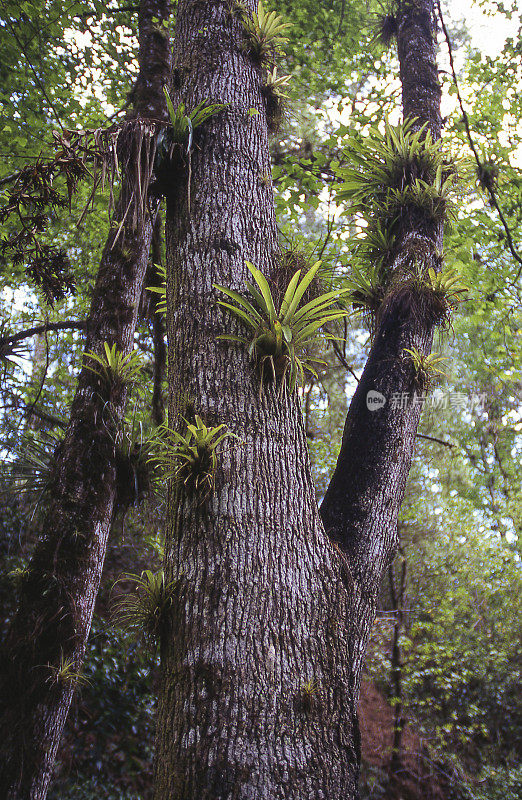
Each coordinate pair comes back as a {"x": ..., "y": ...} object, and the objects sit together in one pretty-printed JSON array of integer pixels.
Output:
[
  {"x": 289, "y": 294},
  {"x": 239, "y": 313},
  {"x": 300, "y": 290},
  {"x": 265, "y": 290}
]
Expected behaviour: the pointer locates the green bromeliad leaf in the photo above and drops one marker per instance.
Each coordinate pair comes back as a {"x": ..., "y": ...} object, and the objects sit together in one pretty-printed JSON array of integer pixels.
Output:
[{"x": 277, "y": 336}]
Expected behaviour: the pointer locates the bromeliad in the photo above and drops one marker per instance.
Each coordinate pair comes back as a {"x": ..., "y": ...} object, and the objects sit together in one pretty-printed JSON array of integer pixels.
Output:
[{"x": 279, "y": 338}]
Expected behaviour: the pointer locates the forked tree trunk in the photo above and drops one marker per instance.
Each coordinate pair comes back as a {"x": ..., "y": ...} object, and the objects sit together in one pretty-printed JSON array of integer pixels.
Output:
[
  {"x": 263, "y": 647},
  {"x": 45, "y": 645},
  {"x": 259, "y": 603}
]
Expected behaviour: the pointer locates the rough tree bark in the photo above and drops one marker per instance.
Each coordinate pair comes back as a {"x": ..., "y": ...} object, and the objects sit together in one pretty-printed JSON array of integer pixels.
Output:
[
  {"x": 262, "y": 603},
  {"x": 45, "y": 644},
  {"x": 362, "y": 503},
  {"x": 158, "y": 335}
]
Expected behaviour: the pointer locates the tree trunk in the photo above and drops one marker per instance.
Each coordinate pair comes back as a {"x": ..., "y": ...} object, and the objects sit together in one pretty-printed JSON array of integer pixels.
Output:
[
  {"x": 362, "y": 503},
  {"x": 44, "y": 647},
  {"x": 257, "y": 693},
  {"x": 158, "y": 336},
  {"x": 263, "y": 646}
]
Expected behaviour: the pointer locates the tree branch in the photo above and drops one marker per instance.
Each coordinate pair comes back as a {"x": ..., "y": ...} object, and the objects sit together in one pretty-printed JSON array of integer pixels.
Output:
[
  {"x": 51, "y": 419},
  {"x": 49, "y": 326},
  {"x": 342, "y": 360},
  {"x": 434, "y": 439},
  {"x": 36, "y": 76},
  {"x": 109, "y": 12}
]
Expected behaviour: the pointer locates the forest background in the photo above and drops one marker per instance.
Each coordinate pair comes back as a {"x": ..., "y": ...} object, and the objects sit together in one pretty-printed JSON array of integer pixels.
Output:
[{"x": 446, "y": 651}]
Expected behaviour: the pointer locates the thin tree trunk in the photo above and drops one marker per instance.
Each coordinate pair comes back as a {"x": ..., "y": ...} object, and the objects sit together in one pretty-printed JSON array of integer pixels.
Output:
[
  {"x": 263, "y": 645},
  {"x": 40, "y": 365},
  {"x": 158, "y": 336},
  {"x": 256, "y": 698},
  {"x": 44, "y": 647},
  {"x": 361, "y": 505}
]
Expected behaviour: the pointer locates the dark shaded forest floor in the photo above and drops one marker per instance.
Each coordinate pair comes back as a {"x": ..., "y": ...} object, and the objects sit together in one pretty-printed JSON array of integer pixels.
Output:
[{"x": 418, "y": 778}]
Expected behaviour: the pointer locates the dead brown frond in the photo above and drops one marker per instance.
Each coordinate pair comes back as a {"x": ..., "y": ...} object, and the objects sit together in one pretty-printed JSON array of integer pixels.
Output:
[
  {"x": 41, "y": 189},
  {"x": 136, "y": 151},
  {"x": 386, "y": 29},
  {"x": 31, "y": 199}
]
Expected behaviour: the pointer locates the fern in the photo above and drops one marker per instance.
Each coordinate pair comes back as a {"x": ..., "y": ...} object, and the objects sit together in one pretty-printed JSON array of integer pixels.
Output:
[
  {"x": 435, "y": 200},
  {"x": 386, "y": 27},
  {"x": 277, "y": 83},
  {"x": 401, "y": 173},
  {"x": 397, "y": 180},
  {"x": 376, "y": 248},
  {"x": 66, "y": 672},
  {"x": 161, "y": 302},
  {"x": 396, "y": 162},
  {"x": 31, "y": 472},
  {"x": 426, "y": 367},
  {"x": 114, "y": 367},
  {"x": 142, "y": 611},
  {"x": 366, "y": 288},
  {"x": 447, "y": 285}
]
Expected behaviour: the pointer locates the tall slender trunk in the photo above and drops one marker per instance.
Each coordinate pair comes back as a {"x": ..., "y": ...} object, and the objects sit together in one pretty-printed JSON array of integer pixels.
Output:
[
  {"x": 263, "y": 645},
  {"x": 158, "y": 335},
  {"x": 38, "y": 370},
  {"x": 361, "y": 505},
  {"x": 44, "y": 647}
]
